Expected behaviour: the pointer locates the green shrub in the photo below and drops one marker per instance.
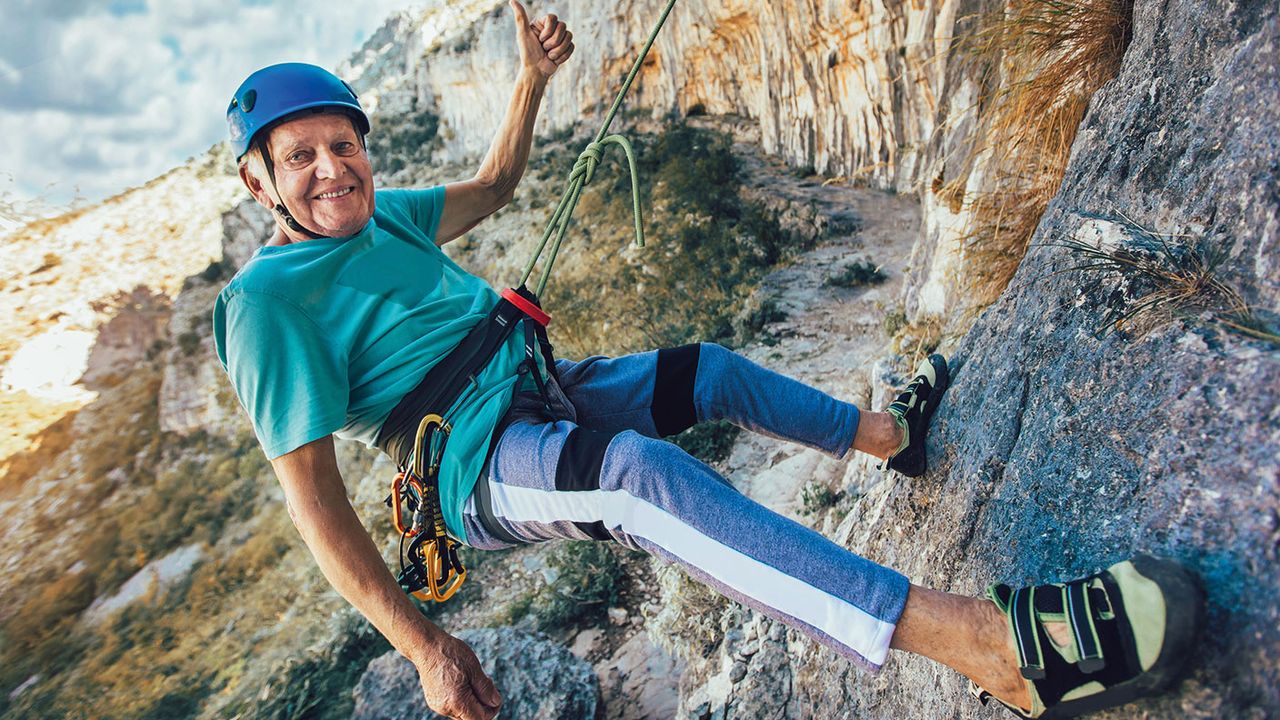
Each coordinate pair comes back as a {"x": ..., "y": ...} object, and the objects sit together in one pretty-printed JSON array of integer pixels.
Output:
[
  {"x": 816, "y": 497},
  {"x": 894, "y": 321},
  {"x": 710, "y": 442},
  {"x": 587, "y": 579},
  {"x": 399, "y": 141},
  {"x": 706, "y": 250},
  {"x": 189, "y": 343},
  {"x": 318, "y": 686},
  {"x": 184, "y": 703},
  {"x": 765, "y": 313},
  {"x": 857, "y": 274}
]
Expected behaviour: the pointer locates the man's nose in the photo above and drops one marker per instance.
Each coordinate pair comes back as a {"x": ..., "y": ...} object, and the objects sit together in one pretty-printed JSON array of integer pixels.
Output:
[{"x": 329, "y": 165}]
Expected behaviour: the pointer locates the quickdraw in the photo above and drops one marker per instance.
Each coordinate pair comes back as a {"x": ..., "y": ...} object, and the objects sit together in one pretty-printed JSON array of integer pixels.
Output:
[{"x": 429, "y": 566}]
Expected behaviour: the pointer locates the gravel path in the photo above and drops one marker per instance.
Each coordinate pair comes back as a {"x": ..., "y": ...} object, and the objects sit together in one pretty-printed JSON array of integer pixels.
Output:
[{"x": 832, "y": 337}]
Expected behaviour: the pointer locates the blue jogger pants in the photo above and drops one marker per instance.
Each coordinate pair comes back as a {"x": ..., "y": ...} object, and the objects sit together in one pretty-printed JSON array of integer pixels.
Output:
[{"x": 606, "y": 475}]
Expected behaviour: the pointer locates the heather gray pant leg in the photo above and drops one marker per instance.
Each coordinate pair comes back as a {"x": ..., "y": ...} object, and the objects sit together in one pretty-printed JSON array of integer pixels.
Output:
[
  {"x": 607, "y": 477},
  {"x": 663, "y": 392}
]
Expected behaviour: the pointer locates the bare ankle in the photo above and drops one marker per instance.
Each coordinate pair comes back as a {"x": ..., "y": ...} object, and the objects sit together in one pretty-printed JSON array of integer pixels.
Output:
[
  {"x": 998, "y": 672},
  {"x": 967, "y": 634},
  {"x": 878, "y": 434}
]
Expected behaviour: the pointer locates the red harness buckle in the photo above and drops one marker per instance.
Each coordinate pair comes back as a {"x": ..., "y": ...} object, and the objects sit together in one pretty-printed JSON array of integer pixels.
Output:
[{"x": 525, "y": 306}]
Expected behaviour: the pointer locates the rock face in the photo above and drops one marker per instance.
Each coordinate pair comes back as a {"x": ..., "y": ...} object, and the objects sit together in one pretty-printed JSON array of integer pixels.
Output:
[
  {"x": 195, "y": 394},
  {"x": 244, "y": 229},
  {"x": 537, "y": 678},
  {"x": 140, "y": 320},
  {"x": 1057, "y": 451},
  {"x": 847, "y": 88},
  {"x": 153, "y": 578}
]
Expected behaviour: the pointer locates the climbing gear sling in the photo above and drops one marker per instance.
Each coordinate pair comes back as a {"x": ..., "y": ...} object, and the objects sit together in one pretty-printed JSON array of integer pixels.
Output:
[{"x": 416, "y": 431}]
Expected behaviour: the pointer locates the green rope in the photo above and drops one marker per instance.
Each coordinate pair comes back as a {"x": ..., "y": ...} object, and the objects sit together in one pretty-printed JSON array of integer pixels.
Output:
[{"x": 584, "y": 169}]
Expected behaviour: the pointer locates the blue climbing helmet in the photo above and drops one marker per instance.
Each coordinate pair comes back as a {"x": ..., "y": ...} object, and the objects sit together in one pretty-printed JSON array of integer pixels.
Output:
[{"x": 278, "y": 91}]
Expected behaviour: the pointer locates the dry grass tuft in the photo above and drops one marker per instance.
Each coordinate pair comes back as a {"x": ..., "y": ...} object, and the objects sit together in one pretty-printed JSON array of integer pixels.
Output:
[
  {"x": 1043, "y": 60},
  {"x": 1162, "y": 279},
  {"x": 914, "y": 341}
]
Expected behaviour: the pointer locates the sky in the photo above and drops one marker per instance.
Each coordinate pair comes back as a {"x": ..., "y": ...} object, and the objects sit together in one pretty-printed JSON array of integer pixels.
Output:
[{"x": 100, "y": 95}]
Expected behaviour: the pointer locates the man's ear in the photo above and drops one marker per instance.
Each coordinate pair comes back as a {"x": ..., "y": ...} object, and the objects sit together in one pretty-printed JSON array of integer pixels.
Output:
[{"x": 256, "y": 188}]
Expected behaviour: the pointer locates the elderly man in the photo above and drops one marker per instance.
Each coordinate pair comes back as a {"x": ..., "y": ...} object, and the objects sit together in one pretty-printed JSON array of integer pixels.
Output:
[{"x": 335, "y": 325}]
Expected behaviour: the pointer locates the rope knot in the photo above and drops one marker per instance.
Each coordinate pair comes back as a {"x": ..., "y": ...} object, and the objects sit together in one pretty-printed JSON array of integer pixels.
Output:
[{"x": 585, "y": 167}]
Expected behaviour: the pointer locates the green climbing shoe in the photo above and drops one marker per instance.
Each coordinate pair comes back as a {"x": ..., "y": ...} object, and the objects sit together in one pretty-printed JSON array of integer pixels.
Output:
[
  {"x": 913, "y": 409},
  {"x": 1103, "y": 640}
]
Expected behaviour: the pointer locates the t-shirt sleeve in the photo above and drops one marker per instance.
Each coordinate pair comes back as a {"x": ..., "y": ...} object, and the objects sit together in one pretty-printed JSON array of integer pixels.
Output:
[
  {"x": 424, "y": 206},
  {"x": 288, "y": 375}
]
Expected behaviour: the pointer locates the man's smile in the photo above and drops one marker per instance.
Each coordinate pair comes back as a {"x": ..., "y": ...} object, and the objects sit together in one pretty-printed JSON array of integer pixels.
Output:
[{"x": 332, "y": 194}]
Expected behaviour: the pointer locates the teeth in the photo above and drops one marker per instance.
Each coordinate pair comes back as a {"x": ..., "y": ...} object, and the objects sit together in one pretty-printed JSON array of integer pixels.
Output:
[{"x": 334, "y": 194}]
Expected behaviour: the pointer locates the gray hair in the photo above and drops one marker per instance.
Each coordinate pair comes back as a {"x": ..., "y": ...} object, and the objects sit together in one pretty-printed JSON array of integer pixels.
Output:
[{"x": 254, "y": 163}]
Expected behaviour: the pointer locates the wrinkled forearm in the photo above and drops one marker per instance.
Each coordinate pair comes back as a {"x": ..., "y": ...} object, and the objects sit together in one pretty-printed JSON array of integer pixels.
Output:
[
  {"x": 505, "y": 163},
  {"x": 351, "y": 562}
]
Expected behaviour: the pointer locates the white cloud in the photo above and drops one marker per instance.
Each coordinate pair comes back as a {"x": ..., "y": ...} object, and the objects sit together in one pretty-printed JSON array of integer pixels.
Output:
[{"x": 96, "y": 97}]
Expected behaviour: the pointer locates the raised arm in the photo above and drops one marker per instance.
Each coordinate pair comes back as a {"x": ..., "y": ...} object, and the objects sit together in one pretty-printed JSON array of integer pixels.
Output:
[
  {"x": 452, "y": 680},
  {"x": 544, "y": 46}
]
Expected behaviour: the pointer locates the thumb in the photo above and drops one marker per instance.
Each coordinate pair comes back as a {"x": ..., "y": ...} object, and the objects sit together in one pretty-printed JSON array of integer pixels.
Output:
[
  {"x": 521, "y": 17},
  {"x": 484, "y": 689}
]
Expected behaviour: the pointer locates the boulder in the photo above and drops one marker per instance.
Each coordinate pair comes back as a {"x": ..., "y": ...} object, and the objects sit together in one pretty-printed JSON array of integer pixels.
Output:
[
  {"x": 244, "y": 228},
  {"x": 195, "y": 394},
  {"x": 538, "y": 679}
]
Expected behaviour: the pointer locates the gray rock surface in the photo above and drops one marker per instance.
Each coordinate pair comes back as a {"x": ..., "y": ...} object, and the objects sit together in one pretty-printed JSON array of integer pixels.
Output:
[
  {"x": 195, "y": 393},
  {"x": 537, "y": 677},
  {"x": 140, "y": 320},
  {"x": 1058, "y": 452},
  {"x": 753, "y": 676},
  {"x": 1060, "y": 449},
  {"x": 639, "y": 681},
  {"x": 244, "y": 228}
]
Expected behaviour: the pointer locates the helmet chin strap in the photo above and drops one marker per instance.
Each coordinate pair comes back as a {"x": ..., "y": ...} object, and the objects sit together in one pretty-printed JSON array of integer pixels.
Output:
[{"x": 280, "y": 209}]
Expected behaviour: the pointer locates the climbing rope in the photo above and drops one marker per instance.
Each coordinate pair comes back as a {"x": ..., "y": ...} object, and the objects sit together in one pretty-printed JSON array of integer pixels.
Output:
[{"x": 584, "y": 169}]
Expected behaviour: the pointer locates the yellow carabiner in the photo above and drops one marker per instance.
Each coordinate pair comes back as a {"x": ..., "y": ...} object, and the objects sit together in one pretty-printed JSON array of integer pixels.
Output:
[
  {"x": 434, "y": 562},
  {"x": 428, "y": 422}
]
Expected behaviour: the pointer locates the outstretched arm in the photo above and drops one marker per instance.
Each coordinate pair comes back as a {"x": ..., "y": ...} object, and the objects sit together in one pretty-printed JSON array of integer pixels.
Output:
[
  {"x": 452, "y": 680},
  {"x": 544, "y": 46}
]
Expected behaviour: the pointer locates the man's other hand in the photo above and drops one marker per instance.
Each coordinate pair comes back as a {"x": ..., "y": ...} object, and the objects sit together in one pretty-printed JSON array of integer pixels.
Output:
[
  {"x": 455, "y": 685},
  {"x": 544, "y": 44}
]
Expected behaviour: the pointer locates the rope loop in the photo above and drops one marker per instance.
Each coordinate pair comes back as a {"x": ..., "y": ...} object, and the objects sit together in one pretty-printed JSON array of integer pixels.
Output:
[{"x": 585, "y": 167}]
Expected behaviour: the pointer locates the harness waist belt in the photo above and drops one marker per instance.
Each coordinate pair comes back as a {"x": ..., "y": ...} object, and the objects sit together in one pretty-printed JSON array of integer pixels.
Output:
[{"x": 445, "y": 382}]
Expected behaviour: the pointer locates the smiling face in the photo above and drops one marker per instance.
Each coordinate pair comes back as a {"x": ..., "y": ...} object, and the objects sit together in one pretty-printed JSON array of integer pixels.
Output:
[{"x": 322, "y": 174}]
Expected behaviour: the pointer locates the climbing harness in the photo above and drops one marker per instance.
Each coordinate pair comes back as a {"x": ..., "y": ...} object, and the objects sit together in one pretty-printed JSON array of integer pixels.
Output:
[{"x": 416, "y": 431}]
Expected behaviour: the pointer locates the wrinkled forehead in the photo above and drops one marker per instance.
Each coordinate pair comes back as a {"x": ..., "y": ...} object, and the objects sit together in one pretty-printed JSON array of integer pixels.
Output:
[{"x": 312, "y": 128}]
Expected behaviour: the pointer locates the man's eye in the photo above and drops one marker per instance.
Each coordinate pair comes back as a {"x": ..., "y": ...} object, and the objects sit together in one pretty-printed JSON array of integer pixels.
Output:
[
  {"x": 297, "y": 158},
  {"x": 345, "y": 148}
]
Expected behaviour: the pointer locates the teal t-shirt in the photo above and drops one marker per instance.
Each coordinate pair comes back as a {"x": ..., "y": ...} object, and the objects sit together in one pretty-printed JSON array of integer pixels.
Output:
[{"x": 326, "y": 336}]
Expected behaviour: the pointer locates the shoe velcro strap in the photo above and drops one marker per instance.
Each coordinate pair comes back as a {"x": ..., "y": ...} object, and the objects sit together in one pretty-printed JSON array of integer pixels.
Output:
[
  {"x": 1073, "y": 604},
  {"x": 1022, "y": 615},
  {"x": 1080, "y": 617}
]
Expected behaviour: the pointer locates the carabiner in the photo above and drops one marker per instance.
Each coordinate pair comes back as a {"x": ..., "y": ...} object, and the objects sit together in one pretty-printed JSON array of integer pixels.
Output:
[
  {"x": 426, "y": 429},
  {"x": 442, "y": 571}
]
